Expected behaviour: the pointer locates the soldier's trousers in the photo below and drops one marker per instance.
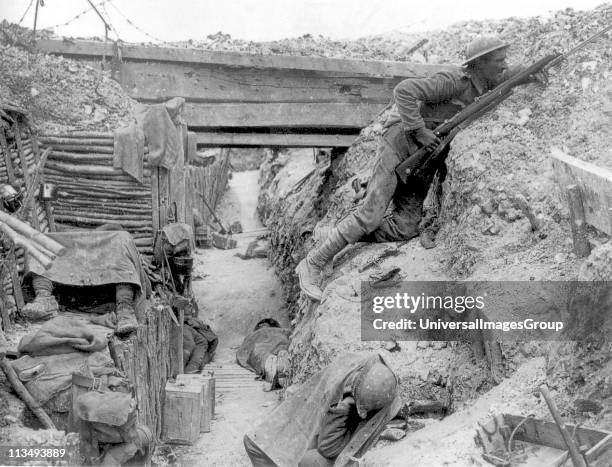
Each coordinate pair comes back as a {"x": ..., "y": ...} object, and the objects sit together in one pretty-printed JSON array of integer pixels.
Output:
[{"x": 369, "y": 222}]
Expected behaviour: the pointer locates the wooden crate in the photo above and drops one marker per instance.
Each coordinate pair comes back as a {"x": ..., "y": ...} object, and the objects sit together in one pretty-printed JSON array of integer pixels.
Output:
[
  {"x": 208, "y": 396},
  {"x": 182, "y": 413}
]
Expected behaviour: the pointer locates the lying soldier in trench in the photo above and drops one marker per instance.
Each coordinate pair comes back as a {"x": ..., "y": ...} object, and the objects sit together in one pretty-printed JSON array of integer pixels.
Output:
[
  {"x": 94, "y": 258},
  {"x": 264, "y": 352},
  {"x": 420, "y": 106},
  {"x": 315, "y": 425},
  {"x": 199, "y": 340}
]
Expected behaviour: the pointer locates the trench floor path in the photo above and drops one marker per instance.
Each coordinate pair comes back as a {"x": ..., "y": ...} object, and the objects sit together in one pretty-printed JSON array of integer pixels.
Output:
[{"x": 233, "y": 295}]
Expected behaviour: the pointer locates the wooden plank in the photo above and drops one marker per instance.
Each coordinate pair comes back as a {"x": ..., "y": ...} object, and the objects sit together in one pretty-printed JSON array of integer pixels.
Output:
[
  {"x": 16, "y": 283},
  {"x": 547, "y": 433},
  {"x": 22, "y": 158},
  {"x": 155, "y": 200},
  {"x": 10, "y": 173},
  {"x": 160, "y": 81},
  {"x": 177, "y": 178},
  {"x": 595, "y": 184},
  {"x": 291, "y": 140},
  {"x": 33, "y": 213},
  {"x": 4, "y": 311},
  {"x": 238, "y": 59},
  {"x": 578, "y": 222},
  {"x": 601, "y": 448},
  {"x": 288, "y": 115},
  {"x": 192, "y": 146},
  {"x": 163, "y": 187},
  {"x": 50, "y": 218},
  {"x": 35, "y": 148}
]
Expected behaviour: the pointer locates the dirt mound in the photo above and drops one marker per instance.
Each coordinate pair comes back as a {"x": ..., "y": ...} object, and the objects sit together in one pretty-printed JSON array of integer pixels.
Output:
[
  {"x": 528, "y": 36},
  {"x": 58, "y": 93},
  {"x": 485, "y": 236}
]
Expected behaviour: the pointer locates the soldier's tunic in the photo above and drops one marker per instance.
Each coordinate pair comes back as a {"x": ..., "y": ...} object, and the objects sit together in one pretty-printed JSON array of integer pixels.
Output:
[{"x": 421, "y": 102}]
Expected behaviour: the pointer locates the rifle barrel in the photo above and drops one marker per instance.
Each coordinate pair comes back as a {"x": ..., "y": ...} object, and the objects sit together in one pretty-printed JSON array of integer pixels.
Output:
[
  {"x": 482, "y": 105},
  {"x": 580, "y": 46}
]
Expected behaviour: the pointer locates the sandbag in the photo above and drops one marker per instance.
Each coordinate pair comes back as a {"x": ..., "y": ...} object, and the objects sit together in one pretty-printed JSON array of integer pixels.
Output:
[
  {"x": 47, "y": 376},
  {"x": 111, "y": 408}
]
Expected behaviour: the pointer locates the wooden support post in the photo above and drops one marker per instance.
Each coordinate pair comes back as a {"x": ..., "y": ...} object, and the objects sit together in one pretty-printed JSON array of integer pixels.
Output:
[
  {"x": 50, "y": 218},
  {"x": 578, "y": 221},
  {"x": 6, "y": 322},
  {"x": 181, "y": 363},
  {"x": 35, "y": 148},
  {"x": 33, "y": 213},
  {"x": 155, "y": 200},
  {"x": 12, "y": 265},
  {"x": 7, "y": 158},
  {"x": 22, "y": 157}
]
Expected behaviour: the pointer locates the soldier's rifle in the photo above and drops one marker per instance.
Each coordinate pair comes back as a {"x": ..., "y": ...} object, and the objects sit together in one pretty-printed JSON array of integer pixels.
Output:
[{"x": 421, "y": 160}]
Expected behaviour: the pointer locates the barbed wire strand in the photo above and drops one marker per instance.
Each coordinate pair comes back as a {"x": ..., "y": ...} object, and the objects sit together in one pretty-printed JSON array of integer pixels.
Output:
[
  {"x": 26, "y": 12},
  {"x": 75, "y": 17},
  {"x": 131, "y": 23}
]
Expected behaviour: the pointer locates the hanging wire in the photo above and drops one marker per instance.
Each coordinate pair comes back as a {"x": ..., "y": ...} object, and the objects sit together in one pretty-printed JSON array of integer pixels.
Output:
[
  {"x": 26, "y": 12},
  {"x": 76, "y": 17},
  {"x": 107, "y": 25},
  {"x": 131, "y": 23}
]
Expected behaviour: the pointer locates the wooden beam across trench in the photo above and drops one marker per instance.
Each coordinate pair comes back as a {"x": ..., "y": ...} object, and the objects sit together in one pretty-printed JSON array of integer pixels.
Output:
[
  {"x": 232, "y": 90},
  {"x": 237, "y": 140}
]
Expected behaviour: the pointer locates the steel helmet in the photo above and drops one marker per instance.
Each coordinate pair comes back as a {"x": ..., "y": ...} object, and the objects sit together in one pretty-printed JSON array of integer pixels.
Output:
[
  {"x": 10, "y": 197},
  {"x": 374, "y": 388},
  {"x": 482, "y": 46}
]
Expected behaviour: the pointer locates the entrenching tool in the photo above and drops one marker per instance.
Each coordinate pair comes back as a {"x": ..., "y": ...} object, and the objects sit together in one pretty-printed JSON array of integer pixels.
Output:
[
  {"x": 575, "y": 455},
  {"x": 215, "y": 217}
]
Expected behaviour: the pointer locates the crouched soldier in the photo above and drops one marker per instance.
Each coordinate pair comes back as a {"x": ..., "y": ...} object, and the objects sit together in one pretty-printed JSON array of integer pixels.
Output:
[
  {"x": 109, "y": 431},
  {"x": 314, "y": 426},
  {"x": 420, "y": 105}
]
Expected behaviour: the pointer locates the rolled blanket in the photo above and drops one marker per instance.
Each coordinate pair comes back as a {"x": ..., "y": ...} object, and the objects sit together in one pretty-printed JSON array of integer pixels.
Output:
[{"x": 64, "y": 335}]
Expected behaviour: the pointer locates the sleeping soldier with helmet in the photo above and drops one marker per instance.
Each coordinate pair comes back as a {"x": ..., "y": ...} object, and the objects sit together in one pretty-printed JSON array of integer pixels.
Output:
[{"x": 315, "y": 424}]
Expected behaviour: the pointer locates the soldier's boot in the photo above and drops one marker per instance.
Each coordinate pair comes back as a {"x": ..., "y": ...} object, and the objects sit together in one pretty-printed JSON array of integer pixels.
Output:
[
  {"x": 310, "y": 268},
  {"x": 139, "y": 438},
  {"x": 119, "y": 454},
  {"x": 196, "y": 361},
  {"x": 321, "y": 233},
  {"x": 45, "y": 305},
  {"x": 428, "y": 229},
  {"x": 428, "y": 239},
  {"x": 126, "y": 316}
]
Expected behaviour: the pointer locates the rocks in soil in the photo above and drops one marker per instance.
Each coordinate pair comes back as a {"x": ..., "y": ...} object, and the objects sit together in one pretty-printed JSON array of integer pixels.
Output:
[{"x": 59, "y": 93}]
